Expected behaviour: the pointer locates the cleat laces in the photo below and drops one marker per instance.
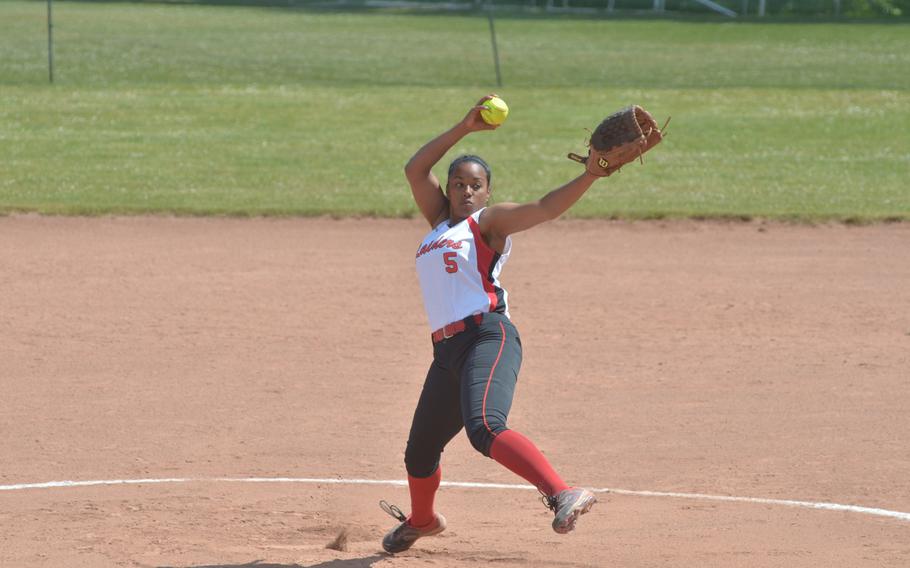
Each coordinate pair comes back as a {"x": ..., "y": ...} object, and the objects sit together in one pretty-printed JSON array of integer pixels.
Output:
[
  {"x": 393, "y": 511},
  {"x": 549, "y": 501}
]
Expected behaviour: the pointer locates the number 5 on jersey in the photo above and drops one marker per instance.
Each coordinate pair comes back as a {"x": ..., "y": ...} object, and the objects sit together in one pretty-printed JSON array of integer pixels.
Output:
[{"x": 449, "y": 259}]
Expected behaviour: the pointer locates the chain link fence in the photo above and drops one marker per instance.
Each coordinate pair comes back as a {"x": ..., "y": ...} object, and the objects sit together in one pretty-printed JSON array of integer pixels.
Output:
[{"x": 842, "y": 9}]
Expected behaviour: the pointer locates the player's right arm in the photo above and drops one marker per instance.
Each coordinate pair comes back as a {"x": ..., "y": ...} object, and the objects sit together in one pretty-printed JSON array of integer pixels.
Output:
[
  {"x": 425, "y": 187},
  {"x": 428, "y": 193}
]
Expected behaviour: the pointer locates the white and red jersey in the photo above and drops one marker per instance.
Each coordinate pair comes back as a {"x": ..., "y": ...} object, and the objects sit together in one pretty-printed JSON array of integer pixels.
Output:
[{"x": 459, "y": 273}]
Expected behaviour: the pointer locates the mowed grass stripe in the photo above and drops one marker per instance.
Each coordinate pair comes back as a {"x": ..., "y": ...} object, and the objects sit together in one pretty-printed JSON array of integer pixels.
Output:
[{"x": 278, "y": 151}]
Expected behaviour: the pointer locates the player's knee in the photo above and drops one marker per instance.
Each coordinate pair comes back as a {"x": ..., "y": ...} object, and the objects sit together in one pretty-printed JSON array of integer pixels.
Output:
[
  {"x": 481, "y": 433},
  {"x": 420, "y": 462}
]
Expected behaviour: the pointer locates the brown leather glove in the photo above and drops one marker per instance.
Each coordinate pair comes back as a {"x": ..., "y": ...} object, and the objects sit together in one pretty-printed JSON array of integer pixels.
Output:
[{"x": 621, "y": 138}]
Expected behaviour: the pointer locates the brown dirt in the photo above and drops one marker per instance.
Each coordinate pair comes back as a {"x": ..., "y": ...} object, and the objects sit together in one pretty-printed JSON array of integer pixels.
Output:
[{"x": 753, "y": 360}]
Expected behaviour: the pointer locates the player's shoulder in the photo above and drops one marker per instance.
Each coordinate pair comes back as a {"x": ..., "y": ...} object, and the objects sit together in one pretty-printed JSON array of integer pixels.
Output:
[
  {"x": 498, "y": 208},
  {"x": 489, "y": 213}
]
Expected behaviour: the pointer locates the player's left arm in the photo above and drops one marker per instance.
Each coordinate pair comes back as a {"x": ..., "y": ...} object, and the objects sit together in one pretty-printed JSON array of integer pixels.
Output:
[{"x": 504, "y": 219}]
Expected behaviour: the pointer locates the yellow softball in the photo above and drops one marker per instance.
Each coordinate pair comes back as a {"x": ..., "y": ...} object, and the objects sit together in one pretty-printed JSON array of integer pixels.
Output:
[{"x": 495, "y": 112}]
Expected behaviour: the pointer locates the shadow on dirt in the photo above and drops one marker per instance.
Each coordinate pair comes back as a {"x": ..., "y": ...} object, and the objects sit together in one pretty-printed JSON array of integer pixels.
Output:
[{"x": 365, "y": 562}]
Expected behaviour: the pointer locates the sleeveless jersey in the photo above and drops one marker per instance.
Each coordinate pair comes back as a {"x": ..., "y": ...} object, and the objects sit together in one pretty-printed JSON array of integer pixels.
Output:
[{"x": 459, "y": 273}]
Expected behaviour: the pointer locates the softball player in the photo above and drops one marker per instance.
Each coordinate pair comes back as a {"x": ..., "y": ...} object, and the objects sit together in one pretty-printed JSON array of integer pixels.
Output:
[{"x": 476, "y": 349}]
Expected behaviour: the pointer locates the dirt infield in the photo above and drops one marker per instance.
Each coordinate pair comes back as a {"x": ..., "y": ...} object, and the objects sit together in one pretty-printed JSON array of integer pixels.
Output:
[{"x": 746, "y": 360}]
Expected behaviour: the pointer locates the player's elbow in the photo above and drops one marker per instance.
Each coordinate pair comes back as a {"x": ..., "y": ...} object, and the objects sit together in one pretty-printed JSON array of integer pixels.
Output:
[{"x": 413, "y": 169}]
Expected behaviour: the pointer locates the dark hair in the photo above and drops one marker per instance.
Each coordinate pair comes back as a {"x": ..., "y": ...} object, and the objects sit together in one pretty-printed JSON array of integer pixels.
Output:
[{"x": 471, "y": 158}]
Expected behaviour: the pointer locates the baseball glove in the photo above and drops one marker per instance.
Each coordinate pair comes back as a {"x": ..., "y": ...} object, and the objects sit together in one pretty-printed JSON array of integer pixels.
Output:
[{"x": 621, "y": 138}]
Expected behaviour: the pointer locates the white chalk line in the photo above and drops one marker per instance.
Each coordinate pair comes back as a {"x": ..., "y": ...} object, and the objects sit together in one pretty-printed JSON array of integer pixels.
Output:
[{"x": 401, "y": 483}]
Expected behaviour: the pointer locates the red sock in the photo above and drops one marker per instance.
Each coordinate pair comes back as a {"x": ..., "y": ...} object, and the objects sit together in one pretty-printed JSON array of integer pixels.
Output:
[
  {"x": 423, "y": 492},
  {"x": 521, "y": 456}
]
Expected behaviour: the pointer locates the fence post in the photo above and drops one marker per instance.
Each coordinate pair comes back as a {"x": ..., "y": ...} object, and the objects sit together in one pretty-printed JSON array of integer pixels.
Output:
[
  {"x": 489, "y": 8},
  {"x": 50, "y": 40}
]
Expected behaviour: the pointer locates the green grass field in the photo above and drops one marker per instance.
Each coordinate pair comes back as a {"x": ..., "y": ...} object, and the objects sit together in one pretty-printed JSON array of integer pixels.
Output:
[{"x": 246, "y": 111}]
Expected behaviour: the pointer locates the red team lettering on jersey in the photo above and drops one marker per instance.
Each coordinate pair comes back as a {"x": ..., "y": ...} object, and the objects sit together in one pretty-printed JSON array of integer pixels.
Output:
[
  {"x": 441, "y": 243},
  {"x": 459, "y": 273}
]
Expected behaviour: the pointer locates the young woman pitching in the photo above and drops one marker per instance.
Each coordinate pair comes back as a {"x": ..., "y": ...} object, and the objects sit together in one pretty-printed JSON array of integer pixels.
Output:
[{"x": 476, "y": 349}]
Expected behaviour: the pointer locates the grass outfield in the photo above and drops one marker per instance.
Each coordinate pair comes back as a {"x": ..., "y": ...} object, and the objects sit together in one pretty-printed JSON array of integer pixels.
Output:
[{"x": 245, "y": 111}]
